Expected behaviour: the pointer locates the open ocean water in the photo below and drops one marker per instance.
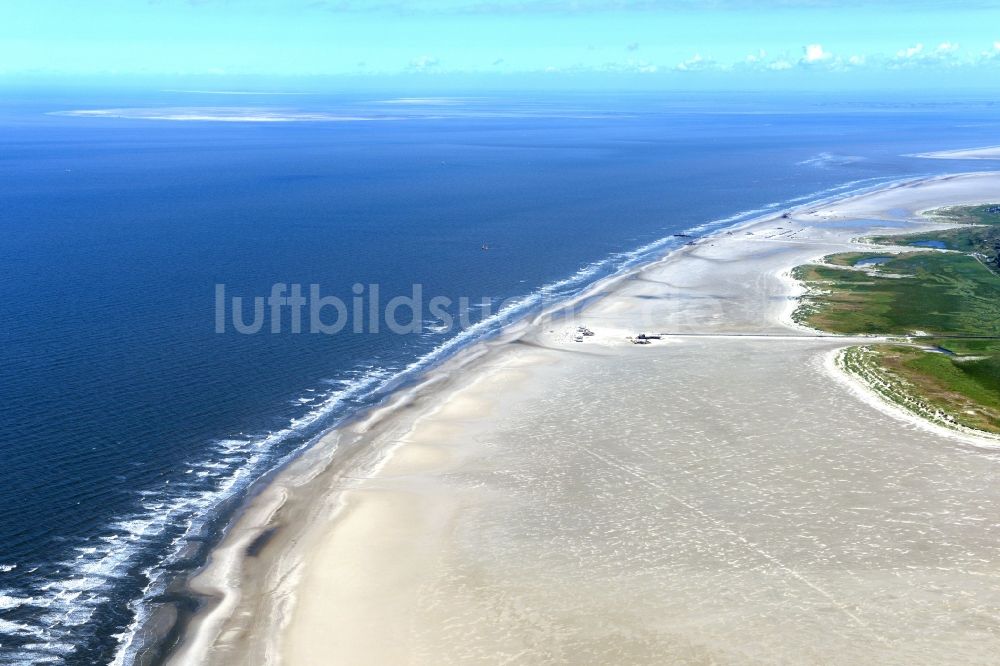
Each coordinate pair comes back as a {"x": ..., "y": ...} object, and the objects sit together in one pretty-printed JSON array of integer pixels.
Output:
[{"x": 131, "y": 428}]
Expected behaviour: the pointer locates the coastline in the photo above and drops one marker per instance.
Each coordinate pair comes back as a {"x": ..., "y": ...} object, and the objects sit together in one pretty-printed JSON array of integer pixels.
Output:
[
  {"x": 153, "y": 635},
  {"x": 833, "y": 366},
  {"x": 733, "y": 282}
]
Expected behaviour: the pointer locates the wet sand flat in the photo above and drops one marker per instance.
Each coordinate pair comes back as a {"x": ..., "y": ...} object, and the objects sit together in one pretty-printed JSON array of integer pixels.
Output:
[{"x": 708, "y": 521}]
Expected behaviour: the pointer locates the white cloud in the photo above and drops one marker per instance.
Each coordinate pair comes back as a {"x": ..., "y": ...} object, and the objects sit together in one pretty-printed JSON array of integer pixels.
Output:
[
  {"x": 816, "y": 59},
  {"x": 424, "y": 62},
  {"x": 911, "y": 52},
  {"x": 991, "y": 55},
  {"x": 631, "y": 65},
  {"x": 814, "y": 53},
  {"x": 695, "y": 63},
  {"x": 946, "y": 53}
]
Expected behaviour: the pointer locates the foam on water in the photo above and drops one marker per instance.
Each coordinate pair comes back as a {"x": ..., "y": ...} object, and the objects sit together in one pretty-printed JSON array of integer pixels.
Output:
[
  {"x": 824, "y": 160},
  {"x": 12, "y": 602},
  {"x": 82, "y": 584}
]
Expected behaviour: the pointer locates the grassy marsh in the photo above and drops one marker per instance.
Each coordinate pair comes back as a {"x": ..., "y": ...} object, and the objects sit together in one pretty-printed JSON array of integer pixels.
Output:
[{"x": 942, "y": 301}]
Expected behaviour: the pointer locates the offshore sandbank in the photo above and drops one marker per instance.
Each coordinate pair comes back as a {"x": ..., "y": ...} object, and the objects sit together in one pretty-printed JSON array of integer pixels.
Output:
[
  {"x": 716, "y": 496},
  {"x": 987, "y": 153}
]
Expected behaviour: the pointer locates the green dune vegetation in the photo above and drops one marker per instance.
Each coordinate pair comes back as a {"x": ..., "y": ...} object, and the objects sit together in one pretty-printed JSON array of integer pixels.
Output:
[
  {"x": 978, "y": 235},
  {"x": 944, "y": 308}
]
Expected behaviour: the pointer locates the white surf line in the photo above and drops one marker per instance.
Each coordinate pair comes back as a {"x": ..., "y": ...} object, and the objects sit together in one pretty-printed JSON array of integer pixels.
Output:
[{"x": 749, "y": 545}]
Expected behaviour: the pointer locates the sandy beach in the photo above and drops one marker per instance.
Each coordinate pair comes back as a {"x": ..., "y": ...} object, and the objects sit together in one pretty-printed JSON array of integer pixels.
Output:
[{"x": 720, "y": 496}]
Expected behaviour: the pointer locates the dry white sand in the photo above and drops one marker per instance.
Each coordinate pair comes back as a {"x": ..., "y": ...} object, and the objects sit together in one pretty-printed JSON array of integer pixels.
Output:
[{"x": 715, "y": 497}]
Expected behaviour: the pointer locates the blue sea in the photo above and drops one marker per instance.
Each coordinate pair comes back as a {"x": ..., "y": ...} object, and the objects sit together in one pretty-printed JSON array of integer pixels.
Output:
[{"x": 131, "y": 429}]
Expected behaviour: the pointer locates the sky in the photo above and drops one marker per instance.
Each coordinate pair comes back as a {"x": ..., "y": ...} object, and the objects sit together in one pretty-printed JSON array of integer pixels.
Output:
[{"x": 571, "y": 43}]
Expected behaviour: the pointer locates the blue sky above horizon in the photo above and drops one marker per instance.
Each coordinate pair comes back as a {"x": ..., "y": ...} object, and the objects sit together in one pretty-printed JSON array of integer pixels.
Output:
[{"x": 672, "y": 43}]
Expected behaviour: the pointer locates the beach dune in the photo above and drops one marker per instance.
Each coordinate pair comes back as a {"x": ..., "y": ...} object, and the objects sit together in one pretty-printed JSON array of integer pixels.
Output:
[{"x": 720, "y": 496}]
